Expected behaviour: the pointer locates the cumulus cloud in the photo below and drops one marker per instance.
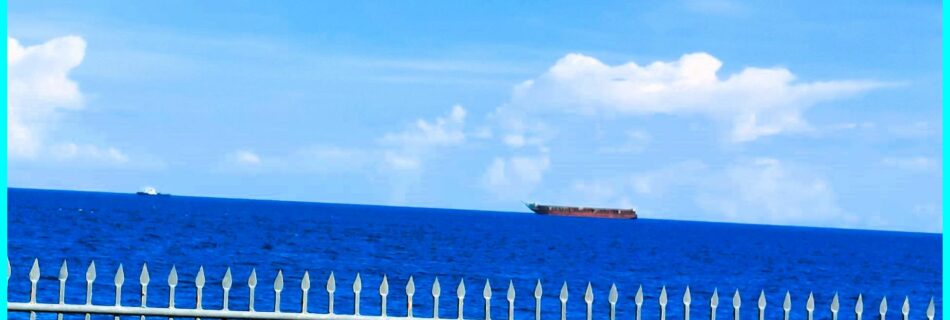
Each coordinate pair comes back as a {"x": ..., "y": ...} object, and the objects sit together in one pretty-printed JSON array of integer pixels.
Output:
[
  {"x": 515, "y": 177},
  {"x": 39, "y": 89},
  {"x": 405, "y": 149},
  {"x": 40, "y": 92},
  {"x": 753, "y": 103}
]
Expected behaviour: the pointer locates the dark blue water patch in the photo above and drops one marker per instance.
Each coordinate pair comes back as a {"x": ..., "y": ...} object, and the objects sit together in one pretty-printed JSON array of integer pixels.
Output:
[{"x": 294, "y": 237}]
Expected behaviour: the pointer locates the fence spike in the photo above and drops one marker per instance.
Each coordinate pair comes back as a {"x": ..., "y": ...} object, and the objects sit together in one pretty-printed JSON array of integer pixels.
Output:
[
  {"x": 172, "y": 283},
  {"x": 638, "y": 300},
  {"x": 563, "y": 295},
  {"x": 810, "y": 305},
  {"x": 410, "y": 291},
  {"x": 357, "y": 288},
  {"x": 905, "y": 309},
  {"x": 612, "y": 300},
  {"x": 713, "y": 304},
  {"x": 859, "y": 307},
  {"x": 226, "y": 283},
  {"x": 91, "y": 272},
  {"x": 90, "y": 277},
  {"x": 200, "y": 277},
  {"x": 787, "y": 304},
  {"x": 35, "y": 270},
  {"x": 251, "y": 284},
  {"x": 486, "y": 293},
  {"x": 460, "y": 293},
  {"x": 589, "y": 299},
  {"x": 736, "y": 304},
  {"x": 143, "y": 281},
  {"x": 384, "y": 286},
  {"x": 563, "y": 298},
  {"x": 278, "y": 287},
  {"x": 331, "y": 283},
  {"x": 612, "y": 295},
  {"x": 34, "y": 278},
  {"x": 305, "y": 281},
  {"x": 9, "y": 269},
  {"x": 119, "y": 276},
  {"x": 883, "y": 308},
  {"x": 199, "y": 286},
  {"x": 63, "y": 274},
  {"x": 63, "y": 271},
  {"x": 144, "y": 278},
  {"x": 834, "y": 307},
  {"x": 436, "y": 292},
  {"x": 537, "y": 300},
  {"x": 663, "y": 303},
  {"x": 383, "y": 292},
  {"x": 663, "y": 299},
  {"x": 511, "y": 300},
  {"x": 714, "y": 300},
  {"x": 686, "y": 301},
  {"x": 930, "y": 309},
  {"x": 762, "y": 304},
  {"x": 119, "y": 280},
  {"x": 589, "y": 293},
  {"x": 304, "y": 289}
]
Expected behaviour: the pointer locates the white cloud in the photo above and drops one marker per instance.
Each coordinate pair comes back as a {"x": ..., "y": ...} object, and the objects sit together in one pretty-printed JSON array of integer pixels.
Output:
[
  {"x": 515, "y": 177},
  {"x": 313, "y": 159},
  {"x": 72, "y": 151},
  {"x": 405, "y": 150},
  {"x": 443, "y": 131},
  {"x": 763, "y": 190},
  {"x": 770, "y": 191},
  {"x": 40, "y": 90},
  {"x": 918, "y": 163},
  {"x": 245, "y": 158},
  {"x": 754, "y": 102}
]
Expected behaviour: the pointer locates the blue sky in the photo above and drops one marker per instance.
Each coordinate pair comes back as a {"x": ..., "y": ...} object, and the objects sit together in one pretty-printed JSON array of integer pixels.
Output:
[{"x": 799, "y": 113}]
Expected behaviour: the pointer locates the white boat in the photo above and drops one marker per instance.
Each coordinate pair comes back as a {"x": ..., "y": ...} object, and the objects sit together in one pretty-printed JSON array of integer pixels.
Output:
[{"x": 149, "y": 191}]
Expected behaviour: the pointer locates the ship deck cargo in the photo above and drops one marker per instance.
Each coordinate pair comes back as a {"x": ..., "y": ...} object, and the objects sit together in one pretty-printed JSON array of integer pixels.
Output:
[{"x": 582, "y": 211}]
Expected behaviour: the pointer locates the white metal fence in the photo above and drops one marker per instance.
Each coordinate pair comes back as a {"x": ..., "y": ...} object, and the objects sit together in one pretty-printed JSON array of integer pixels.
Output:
[{"x": 32, "y": 306}]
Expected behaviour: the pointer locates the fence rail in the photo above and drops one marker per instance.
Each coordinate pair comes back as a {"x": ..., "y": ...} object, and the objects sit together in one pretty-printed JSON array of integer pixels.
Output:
[{"x": 170, "y": 310}]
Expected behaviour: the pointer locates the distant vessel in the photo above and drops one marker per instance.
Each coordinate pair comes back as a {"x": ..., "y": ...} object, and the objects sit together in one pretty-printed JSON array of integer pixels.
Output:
[
  {"x": 582, "y": 211},
  {"x": 149, "y": 191}
]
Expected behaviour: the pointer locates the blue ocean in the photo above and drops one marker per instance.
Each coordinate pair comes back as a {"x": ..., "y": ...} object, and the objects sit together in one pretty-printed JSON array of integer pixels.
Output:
[{"x": 399, "y": 242}]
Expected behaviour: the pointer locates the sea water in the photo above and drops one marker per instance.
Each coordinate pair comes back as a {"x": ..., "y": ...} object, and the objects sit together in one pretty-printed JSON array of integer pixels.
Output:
[{"x": 523, "y": 248}]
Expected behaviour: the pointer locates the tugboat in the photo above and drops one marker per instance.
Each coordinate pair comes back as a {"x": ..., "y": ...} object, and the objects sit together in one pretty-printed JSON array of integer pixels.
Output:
[
  {"x": 149, "y": 191},
  {"x": 582, "y": 211}
]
